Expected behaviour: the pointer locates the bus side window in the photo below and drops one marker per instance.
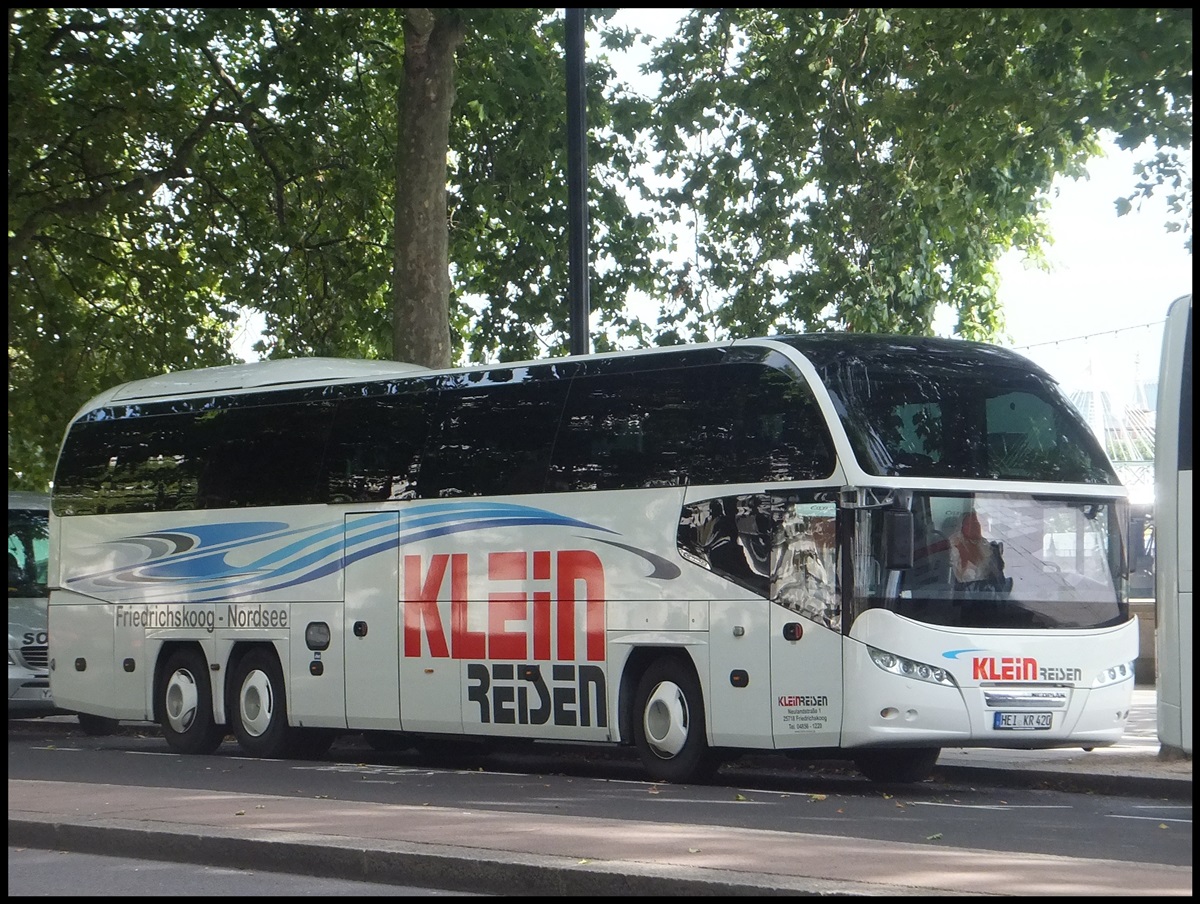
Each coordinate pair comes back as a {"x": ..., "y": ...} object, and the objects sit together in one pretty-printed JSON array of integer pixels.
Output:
[
  {"x": 494, "y": 434},
  {"x": 629, "y": 429},
  {"x": 260, "y": 455},
  {"x": 780, "y": 431},
  {"x": 375, "y": 447}
]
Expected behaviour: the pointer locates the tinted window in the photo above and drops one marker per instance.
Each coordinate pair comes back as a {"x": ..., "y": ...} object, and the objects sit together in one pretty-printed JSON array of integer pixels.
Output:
[
  {"x": 967, "y": 421},
  {"x": 923, "y": 407},
  {"x": 495, "y": 433},
  {"x": 127, "y": 464},
  {"x": 375, "y": 446},
  {"x": 717, "y": 423},
  {"x": 204, "y": 457},
  {"x": 261, "y": 456}
]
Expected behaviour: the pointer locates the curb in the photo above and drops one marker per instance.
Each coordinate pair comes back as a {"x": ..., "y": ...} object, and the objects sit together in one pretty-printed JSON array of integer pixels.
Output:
[
  {"x": 467, "y": 870},
  {"x": 1123, "y": 785}
]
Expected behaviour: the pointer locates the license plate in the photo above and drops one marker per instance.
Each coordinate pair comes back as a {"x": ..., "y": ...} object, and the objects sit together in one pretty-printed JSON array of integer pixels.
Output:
[{"x": 1022, "y": 721}]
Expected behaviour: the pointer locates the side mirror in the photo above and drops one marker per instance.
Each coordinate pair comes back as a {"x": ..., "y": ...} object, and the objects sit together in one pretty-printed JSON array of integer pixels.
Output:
[{"x": 897, "y": 539}]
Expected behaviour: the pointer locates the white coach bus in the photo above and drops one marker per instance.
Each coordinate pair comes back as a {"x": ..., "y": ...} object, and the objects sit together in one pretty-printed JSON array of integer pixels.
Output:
[
  {"x": 1173, "y": 530},
  {"x": 860, "y": 546}
]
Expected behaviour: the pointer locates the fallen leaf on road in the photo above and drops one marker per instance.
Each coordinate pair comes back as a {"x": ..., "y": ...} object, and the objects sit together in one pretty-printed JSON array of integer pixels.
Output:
[
  {"x": 934, "y": 837},
  {"x": 818, "y": 796},
  {"x": 739, "y": 797}
]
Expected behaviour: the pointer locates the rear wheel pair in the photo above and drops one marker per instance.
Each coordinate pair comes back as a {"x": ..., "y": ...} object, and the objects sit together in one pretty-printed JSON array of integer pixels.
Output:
[{"x": 257, "y": 709}]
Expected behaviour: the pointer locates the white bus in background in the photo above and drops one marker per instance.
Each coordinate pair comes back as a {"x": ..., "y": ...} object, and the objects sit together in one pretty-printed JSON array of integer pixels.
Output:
[
  {"x": 1173, "y": 530},
  {"x": 861, "y": 546}
]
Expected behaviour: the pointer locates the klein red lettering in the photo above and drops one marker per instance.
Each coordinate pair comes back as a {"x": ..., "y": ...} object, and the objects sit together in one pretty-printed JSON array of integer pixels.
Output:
[
  {"x": 1004, "y": 668},
  {"x": 523, "y": 622}
]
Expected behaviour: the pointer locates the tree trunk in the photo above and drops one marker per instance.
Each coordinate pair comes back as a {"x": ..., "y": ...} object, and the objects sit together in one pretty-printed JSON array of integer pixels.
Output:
[{"x": 421, "y": 269}]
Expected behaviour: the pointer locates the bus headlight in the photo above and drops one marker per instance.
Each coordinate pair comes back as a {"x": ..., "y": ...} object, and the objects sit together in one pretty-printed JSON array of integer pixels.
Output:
[
  {"x": 1114, "y": 674},
  {"x": 910, "y": 668}
]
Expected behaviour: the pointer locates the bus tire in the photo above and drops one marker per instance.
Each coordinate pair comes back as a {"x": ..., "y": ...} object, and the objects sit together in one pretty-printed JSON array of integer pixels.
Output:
[
  {"x": 97, "y": 726},
  {"x": 259, "y": 707},
  {"x": 897, "y": 766},
  {"x": 668, "y": 728},
  {"x": 185, "y": 712}
]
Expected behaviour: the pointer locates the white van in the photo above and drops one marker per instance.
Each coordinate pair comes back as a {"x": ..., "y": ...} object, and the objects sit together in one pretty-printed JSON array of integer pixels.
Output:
[{"x": 28, "y": 642}]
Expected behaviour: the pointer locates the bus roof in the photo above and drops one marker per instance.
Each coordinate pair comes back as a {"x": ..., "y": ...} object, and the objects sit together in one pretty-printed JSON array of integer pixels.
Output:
[
  {"x": 257, "y": 374},
  {"x": 823, "y": 349}
]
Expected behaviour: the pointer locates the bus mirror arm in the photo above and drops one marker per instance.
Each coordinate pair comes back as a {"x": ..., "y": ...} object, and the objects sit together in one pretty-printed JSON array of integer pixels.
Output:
[{"x": 898, "y": 539}]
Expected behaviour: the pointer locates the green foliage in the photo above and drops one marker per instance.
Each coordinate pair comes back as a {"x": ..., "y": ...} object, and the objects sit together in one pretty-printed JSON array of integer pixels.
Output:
[
  {"x": 859, "y": 168},
  {"x": 170, "y": 169}
]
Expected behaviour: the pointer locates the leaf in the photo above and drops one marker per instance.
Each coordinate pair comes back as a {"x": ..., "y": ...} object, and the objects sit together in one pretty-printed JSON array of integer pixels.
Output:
[
  {"x": 818, "y": 796},
  {"x": 936, "y": 836},
  {"x": 738, "y": 797}
]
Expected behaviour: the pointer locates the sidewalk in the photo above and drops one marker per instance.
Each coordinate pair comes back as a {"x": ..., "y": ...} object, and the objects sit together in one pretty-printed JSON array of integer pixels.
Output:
[{"x": 497, "y": 852}]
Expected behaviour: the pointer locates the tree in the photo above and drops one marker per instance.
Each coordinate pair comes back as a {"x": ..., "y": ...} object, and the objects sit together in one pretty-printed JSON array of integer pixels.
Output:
[
  {"x": 859, "y": 168},
  {"x": 171, "y": 168}
]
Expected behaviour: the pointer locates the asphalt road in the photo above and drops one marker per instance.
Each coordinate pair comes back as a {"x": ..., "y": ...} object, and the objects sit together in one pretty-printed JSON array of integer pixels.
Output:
[{"x": 544, "y": 792}]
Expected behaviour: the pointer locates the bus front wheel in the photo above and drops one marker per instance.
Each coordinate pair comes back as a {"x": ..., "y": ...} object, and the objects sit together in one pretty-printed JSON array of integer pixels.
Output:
[
  {"x": 259, "y": 710},
  {"x": 897, "y": 766},
  {"x": 185, "y": 711},
  {"x": 669, "y": 729}
]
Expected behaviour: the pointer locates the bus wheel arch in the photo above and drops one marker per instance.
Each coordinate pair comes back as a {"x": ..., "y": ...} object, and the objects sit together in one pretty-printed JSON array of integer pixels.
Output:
[
  {"x": 667, "y": 718},
  {"x": 183, "y": 700}
]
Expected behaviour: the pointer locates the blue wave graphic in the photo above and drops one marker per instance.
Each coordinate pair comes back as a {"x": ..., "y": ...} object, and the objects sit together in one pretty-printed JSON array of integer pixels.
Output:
[{"x": 192, "y": 560}]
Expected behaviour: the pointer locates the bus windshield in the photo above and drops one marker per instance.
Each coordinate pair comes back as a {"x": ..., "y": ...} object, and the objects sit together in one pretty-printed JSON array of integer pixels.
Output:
[
  {"x": 918, "y": 408},
  {"x": 1000, "y": 561}
]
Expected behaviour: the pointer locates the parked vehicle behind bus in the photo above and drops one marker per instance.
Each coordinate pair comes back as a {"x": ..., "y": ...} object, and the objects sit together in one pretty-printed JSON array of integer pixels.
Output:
[
  {"x": 862, "y": 546},
  {"x": 29, "y": 694},
  {"x": 28, "y": 551}
]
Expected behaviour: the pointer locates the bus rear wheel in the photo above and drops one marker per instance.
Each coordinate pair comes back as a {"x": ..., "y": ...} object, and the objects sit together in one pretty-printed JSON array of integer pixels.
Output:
[
  {"x": 903, "y": 766},
  {"x": 669, "y": 729},
  {"x": 185, "y": 711},
  {"x": 259, "y": 708}
]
